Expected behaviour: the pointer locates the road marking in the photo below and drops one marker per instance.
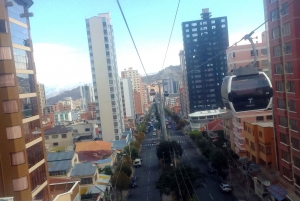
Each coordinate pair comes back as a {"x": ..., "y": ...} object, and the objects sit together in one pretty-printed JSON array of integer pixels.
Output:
[
  {"x": 147, "y": 198},
  {"x": 149, "y": 172},
  {"x": 191, "y": 163},
  {"x": 148, "y": 188},
  {"x": 210, "y": 196},
  {"x": 204, "y": 185},
  {"x": 148, "y": 179}
]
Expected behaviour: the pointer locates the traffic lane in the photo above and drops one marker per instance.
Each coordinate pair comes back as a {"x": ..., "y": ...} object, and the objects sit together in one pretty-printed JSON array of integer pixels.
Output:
[{"x": 212, "y": 181}]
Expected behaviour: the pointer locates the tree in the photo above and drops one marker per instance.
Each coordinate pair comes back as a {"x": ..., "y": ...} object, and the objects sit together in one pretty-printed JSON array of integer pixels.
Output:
[
  {"x": 140, "y": 137},
  {"x": 186, "y": 175},
  {"x": 219, "y": 159},
  {"x": 136, "y": 144},
  {"x": 194, "y": 135},
  {"x": 120, "y": 181},
  {"x": 126, "y": 168},
  {"x": 133, "y": 150},
  {"x": 164, "y": 148}
]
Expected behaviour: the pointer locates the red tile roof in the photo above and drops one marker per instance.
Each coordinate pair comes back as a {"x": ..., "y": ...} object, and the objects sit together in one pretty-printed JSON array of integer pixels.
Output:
[
  {"x": 92, "y": 156},
  {"x": 53, "y": 180},
  {"x": 93, "y": 146},
  {"x": 215, "y": 125}
]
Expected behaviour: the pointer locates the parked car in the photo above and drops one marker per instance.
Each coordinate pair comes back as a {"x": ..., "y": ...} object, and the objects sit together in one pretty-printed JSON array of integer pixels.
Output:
[
  {"x": 133, "y": 182},
  {"x": 225, "y": 187},
  {"x": 137, "y": 163},
  {"x": 154, "y": 129},
  {"x": 154, "y": 133}
]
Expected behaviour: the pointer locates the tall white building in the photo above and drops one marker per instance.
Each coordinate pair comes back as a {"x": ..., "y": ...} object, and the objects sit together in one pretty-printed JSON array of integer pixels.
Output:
[
  {"x": 106, "y": 82},
  {"x": 87, "y": 96},
  {"x": 42, "y": 95},
  {"x": 127, "y": 97}
]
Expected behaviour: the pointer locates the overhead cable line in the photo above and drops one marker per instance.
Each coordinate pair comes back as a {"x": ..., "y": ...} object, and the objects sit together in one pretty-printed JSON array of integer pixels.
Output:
[
  {"x": 132, "y": 38},
  {"x": 162, "y": 67},
  {"x": 276, "y": 14}
]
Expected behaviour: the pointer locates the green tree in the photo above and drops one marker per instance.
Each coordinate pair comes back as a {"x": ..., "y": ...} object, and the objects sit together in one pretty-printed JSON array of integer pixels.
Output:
[
  {"x": 164, "y": 148},
  {"x": 136, "y": 144},
  {"x": 202, "y": 144},
  {"x": 121, "y": 181},
  {"x": 186, "y": 175},
  {"x": 194, "y": 135},
  {"x": 126, "y": 168},
  {"x": 219, "y": 159},
  {"x": 140, "y": 137},
  {"x": 133, "y": 150}
]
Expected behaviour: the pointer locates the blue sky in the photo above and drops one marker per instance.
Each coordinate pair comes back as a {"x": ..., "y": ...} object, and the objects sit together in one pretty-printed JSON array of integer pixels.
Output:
[{"x": 60, "y": 42}]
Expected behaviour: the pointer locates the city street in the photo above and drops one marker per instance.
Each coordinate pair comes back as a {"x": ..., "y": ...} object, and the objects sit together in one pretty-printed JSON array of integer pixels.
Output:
[
  {"x": 210, "y": 189},
  {"x": 148, "y": 174}
]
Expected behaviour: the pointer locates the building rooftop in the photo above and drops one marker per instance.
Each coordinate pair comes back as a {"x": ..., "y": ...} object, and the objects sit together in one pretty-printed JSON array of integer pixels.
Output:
[
  {"x": 56, "y": 166},
  {"x": 263, "y": 124},
  {"x": 59, "y": 156},
  {"x": 92, "y": 156},
  {"x": 56, "y": 130},
  {"x": 83, "y": 169},
  {"x": 207, "y": 113},
  {"x": 93, "y": 146},
  {"x": 119, "y": 144},
  {"x": 215, "y": 125},
  {"x": 103, "y": 161}
]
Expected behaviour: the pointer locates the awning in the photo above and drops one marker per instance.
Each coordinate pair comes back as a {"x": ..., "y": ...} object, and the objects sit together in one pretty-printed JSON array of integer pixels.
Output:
[{"x": 277, "y": 191}]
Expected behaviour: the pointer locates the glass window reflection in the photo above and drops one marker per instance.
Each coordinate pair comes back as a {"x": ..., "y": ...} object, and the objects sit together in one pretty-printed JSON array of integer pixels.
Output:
[
  {"x": 26, "y": 83},
  {"x": 22, "y": 59},
  {"x": 15, "y": 11},
  {"x": 19, "y": 34},
  {"x": 29, "y": 107}
]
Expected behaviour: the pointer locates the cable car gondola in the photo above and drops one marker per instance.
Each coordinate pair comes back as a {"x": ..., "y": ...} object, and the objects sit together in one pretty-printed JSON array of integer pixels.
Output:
[{"x": 247, "y": 90}]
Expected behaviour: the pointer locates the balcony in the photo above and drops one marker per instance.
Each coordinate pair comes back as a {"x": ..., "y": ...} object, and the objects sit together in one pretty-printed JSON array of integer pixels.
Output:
[
  {"x": 241, "y": 146},
  {"x": 35, "y": 154},
  {"x": 32, "y": 130},
  {"x": 29, "y": 107},
  {"x": 38, "y": 177}
]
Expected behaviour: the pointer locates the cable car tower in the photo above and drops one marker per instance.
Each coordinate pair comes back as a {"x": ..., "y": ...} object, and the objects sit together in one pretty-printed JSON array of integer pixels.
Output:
[{"x": 247, "y": 89}]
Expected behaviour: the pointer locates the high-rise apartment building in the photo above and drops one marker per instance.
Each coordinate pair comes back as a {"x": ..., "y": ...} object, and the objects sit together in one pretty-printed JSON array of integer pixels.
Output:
[
  {"x": 23, "y": 174},
  {"x": 184, "y": 92},
  {"x": 127, "y": 101},
  {"x": 106, "y": 81},
  {"x": 87, "y": 96},
  {"x": 284, "y": 48},
  {"x": 42, "y": 95},
  {"x": 203, "y": 39},
  {"x": 136, "y": 81}
]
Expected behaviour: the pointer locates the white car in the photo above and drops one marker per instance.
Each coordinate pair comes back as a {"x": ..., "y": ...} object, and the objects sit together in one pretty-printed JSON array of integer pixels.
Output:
[
  {"x": 137, "y": 163},
  {"x": 154, "y": 129},
  {"x": 225, "y": 187},
  {"x": 154, "y": 133}
]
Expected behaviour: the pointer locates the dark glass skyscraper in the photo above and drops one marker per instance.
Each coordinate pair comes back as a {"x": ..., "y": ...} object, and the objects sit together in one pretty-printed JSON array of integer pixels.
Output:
[{"x": 203, "y": 40}]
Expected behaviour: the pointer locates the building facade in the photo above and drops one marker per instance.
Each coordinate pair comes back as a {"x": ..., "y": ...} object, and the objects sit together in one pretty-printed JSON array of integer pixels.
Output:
[
  {"x": 284, "y": 47},
  {"x": 87, "y": 96},
  {"x": 203, "y": 39},
  {"x": 23, "y": 166},
  {"x": 42, "y": 95},
  {"x": 184, "y": 91},
  {"x": 105, "y": 76},
  {"x": 127, "y": 101}
]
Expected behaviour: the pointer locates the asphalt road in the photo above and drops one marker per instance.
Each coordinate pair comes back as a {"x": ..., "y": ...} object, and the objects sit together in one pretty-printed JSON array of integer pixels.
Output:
[
  {"x": 148, "y": 174},
  {"x": 210, "y": 190}
]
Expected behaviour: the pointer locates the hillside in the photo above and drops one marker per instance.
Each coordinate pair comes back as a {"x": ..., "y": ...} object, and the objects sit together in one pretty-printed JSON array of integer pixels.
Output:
[
  {"x": 74, "y": 94},
  {"x": 169, "y": 72}
]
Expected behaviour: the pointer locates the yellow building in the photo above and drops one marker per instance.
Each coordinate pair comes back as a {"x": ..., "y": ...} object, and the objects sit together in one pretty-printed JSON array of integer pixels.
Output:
[{"x": 259, "y": 138}]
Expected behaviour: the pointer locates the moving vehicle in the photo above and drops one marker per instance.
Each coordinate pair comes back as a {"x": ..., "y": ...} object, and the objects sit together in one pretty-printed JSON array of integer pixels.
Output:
[
  {"x": 154, "y": 133},
  {"x": 137, "y": 163},
  {"x": 225, "y": 187},
  {"x": 154, "y": 129},
  {"x": 133, "y": 182}
]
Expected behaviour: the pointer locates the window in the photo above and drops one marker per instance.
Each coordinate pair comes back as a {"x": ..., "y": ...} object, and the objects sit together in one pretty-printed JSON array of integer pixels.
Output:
[
  {"x": 261, "y": 148},
  {"x": 290, "y": 86},
  {"x": 287, "y": 172},
  {"x": 292, "y": 105},
  {"x": 285, "y": 9},
  {"x": 5, "y": 53},
  {"x": 7, "y": 80},
  {"x": 223, "y": 25},
  {"x": 281, "y": 103},
  {"x": 247, "y": 141},
  {"x": 223, "y": 20},
  {"x": 268, "y": 150},
  {"x": 55, "y": 143},
  {"x": 238, "y": 120},
  {"x": 279, "y": 86},
  {"x": 294, "y": 124},
  {"x": 264, "y": 51},
  {"x": 46, "y": 137},
  {"x": 289, "y": 67},
  {"x": 87, "y": 129},
  {"x": 274, "y": 14},
  {"x": 283, "y": 121},
  {"x": 264, "y": 63},
  {"x": 252, "y": 53},
  {"x": 194, "y": 34},
  {"x": 286, "y": 29},
  {"x": 278, "y": 68},
  {"x": 284, "y": 138},
  {"x": 213, "y": 21},
  {"x": 54, "y": 136},
  {"x": 260, "y": 134},
  {"x": 285, "y": 156},
  {"x": 271, "y": 1},
  {"x": 295, "y": 143},
  {"x": 10, "y": 106},
  {"x": 213, "y": 27},
  {"x": 186, "y": 25},
  {"x": 3, "y": 26},
  {"x": 187, "y": 30},
  {"x": 63, "y": 135},
  {"x": 17, "y": 158},
  {"x": 296, "y": 162},
  {"x": 252, "y": 146},
  {"x": 276, "y": 33},
  {"x": 277, "y": 51},
  {"x": 269, "y": 117},
  {"x": 20, "y": 184},
  {"x": 259, "y": 118},
  {"x": 86, "y": 180},
  {"x": 297, "y": 179},
  {"x": 116, "y": 131},
  {"x": 13, "y": 132},
  {"x": 288, "y": 48},
  {"x": 26, "y": 83}
]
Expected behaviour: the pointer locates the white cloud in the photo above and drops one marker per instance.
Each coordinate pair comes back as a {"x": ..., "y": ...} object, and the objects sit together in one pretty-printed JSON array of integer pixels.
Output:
[{"x": 58, "y": 64}]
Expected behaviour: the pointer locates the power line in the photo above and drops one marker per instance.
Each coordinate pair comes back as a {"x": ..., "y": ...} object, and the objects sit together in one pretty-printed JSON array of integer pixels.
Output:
[
  {"x": 171, "y": 34},
  {"x": 132, "y": 38},
  {"x": 276, "y": 14}
]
